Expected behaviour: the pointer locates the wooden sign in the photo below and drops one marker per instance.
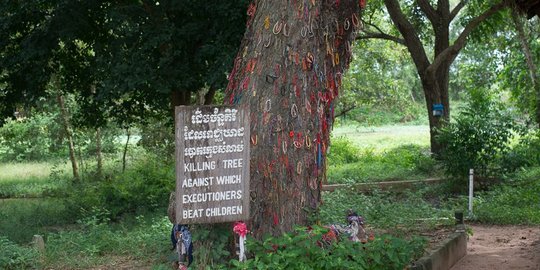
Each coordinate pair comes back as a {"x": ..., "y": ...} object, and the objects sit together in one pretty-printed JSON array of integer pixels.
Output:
[{"x": 212, "y": 164}]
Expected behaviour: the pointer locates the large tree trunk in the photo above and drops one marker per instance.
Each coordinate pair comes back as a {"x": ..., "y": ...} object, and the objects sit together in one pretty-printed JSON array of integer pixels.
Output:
[
  {"x": 435, "y": 94},
  {"x": 288, "y": 70}
]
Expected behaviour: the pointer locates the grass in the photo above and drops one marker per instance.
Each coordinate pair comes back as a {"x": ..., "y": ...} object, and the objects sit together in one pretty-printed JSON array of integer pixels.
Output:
[
  {"x": 404, "y": 213},
  {"x": 20, "y": 219},
  {"x": 32, "y": 179},
  {"x": 140, "y": 242},
  {"x": 517, "y": 201},
  {"x": 350, "y": 164},
  {"x": 30, "y": 170},
  {"x": 134, "y": 241},
  {"x": 384, "y": 138}
]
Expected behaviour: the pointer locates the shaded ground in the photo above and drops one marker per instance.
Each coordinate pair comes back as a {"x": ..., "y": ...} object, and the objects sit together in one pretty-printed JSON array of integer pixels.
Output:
[{"x": 502, "y": 248}]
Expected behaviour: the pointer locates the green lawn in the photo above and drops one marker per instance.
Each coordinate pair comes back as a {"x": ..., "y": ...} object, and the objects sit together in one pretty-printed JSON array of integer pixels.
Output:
[
  {"x": 380, "y": 139},
  {"x": 31, "y": 179},
  {"x": 29, "y": 170}
]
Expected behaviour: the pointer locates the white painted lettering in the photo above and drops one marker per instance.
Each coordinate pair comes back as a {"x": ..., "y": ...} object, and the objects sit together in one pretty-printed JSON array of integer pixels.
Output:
[{"x": 232, "y": 163}]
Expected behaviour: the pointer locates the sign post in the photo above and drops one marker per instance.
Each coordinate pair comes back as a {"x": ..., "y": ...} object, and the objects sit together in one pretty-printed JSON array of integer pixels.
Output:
[{"x": 212, "y": 164}]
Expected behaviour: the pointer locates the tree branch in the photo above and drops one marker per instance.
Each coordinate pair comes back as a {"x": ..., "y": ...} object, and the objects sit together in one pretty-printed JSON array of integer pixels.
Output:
[
  {"x": 452, "y": 51},
  {"x": 457, "y": 9},
  {"x": 430, "y": 12},
  {"x": 379, "y": 34},
  {"x": 410, "y": 35},
  {"x": 372, "y": 35},
  {"x": 345, "y": 110}
]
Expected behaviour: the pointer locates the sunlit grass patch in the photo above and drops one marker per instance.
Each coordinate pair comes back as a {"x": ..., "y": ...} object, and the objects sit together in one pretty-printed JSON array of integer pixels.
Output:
[
  {"x": 31, "y": 180},
  {"x": 379, "y": 139}
]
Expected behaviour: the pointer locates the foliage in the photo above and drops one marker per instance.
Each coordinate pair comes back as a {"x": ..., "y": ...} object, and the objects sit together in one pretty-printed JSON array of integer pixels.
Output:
[
  {"x": 516, "y": 202},
  {"x": 13, "y": 256},
  {"x": 41, "y": 136},
  {"x": 342, "y": 151},
  {"x": 145, "y": 186},
  {"x": 31, "y": 188},
  {"x": 378, "y": 92},
  {"x": 401, "y": 163},
  {"x": 525, "y": 153},
  {"x": 22, "y": 218},
  {"x": 304, "y": 249},
  {"x": 122, "y": 60},
  {"x": 515, "y": 75},
  {"x": 478, "y": 137},
  {"x": 34, "y": 138},
  {"x": 143, "y": 239},
  {"x": 157, "y": 137},
  {"x": 211, "y": 245}
]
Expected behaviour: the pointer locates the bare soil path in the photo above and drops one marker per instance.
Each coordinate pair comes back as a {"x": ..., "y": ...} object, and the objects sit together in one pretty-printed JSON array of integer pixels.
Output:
[{"x": 502, "y": 248}]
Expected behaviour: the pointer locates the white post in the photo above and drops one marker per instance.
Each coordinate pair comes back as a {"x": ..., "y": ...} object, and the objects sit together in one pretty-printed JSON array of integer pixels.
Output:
[{"x": 471, "y": 187}]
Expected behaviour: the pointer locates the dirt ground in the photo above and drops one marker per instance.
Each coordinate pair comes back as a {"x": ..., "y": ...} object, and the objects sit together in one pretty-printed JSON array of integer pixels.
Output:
[{"x": 502, "y": 248}]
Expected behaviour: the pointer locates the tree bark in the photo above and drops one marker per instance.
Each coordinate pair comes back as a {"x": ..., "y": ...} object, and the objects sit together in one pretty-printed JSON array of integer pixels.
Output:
[
  {"x": 69, "y": 136},
  {"x": 288, "y": 71},
  {"x": 99, "y": 156},
  {"x": 124, "y": 155}
]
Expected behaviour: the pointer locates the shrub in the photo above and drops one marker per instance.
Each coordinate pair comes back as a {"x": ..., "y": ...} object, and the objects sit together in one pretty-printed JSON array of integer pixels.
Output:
[
  {"x": 157, "y": 137},
  {"x": 303, "y": 249},
  {"x": 524, "y": 154},
  {"x": 516, "y": 202},
  {"x": 144, "y": 186},
  {"x": 33, "y": 138},
  {"x": 13, "y": 256},
  {"x": 477, "y": 138},
  {"x": 342, "y": 151}
]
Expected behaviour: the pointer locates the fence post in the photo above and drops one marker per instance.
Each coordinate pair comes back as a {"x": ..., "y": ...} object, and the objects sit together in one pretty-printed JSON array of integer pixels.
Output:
[{"x": 471, "y": 188}]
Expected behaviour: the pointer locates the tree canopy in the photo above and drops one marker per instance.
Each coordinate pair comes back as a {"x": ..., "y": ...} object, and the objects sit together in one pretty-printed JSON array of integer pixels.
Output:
[{"x": 122, "y": 58}]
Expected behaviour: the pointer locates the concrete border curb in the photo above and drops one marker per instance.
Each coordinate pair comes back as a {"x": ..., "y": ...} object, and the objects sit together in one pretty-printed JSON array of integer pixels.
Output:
[{"x": 445, "y": 255}]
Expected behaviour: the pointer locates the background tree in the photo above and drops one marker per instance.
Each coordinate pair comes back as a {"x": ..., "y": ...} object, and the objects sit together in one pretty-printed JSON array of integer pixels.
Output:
[
  {"x": 424, "y": 27},
  {"x": 288, "y": 72}
]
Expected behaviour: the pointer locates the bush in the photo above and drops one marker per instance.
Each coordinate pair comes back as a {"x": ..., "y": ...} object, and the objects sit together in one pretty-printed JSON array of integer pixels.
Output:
[
  {"x": 378, "y": 115},
  {"x": 516, "y": 202},
  {"x": 34, "y": 138},
  {"x": 99, "y": 243},
  {"x": 303, "y": 249},
  {"x": 145, "y": 186},
  {"x": 342, "y": 151},
  {"x": 524, "y": 154},
  {"x": 477, "y": 138},
  {"x": 157, "y": 137},
  {"x": 13, "y": 256}
]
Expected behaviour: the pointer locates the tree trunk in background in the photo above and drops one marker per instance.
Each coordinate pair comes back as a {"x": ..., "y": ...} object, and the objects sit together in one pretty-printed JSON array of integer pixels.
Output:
[
  {"x": 434, "y": 73},
  {"x": 288, "y": 71},
  {"x": 69, "y": 135},
  {"x": 533, "y": 70},
  {"x": 125, "y": 150},
  {"x": 99, "y": 157}
]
